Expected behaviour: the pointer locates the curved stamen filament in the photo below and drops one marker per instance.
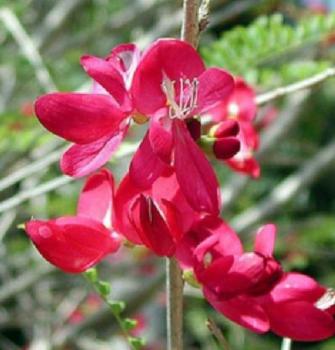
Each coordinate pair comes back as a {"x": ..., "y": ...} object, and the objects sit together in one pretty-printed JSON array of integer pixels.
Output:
[{"x": 188, "y": 97}]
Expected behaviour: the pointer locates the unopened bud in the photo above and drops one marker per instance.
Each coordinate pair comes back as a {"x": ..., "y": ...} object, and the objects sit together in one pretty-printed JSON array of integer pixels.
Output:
[
  {"x": 225, "y": 129},
  {"x": 226, "y": 148}
]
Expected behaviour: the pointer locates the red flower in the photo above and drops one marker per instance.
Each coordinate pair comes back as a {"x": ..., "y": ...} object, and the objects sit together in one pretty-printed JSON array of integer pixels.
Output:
[
  {"x": 95, "y": 122},
  {"x": 251, "y": 289},
  {"x": 157, "y": 217},
  {"x": 171, "y": 86},
  {"x": 241, "y": 106},
  {"x": 75, "y": 243}
]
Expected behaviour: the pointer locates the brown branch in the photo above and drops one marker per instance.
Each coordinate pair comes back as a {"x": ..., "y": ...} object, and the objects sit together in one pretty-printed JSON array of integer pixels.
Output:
[
  {"x": 216, "y": 331},
  {"x": 300, "y": 85},
  {"x": 190, "y": 26}
]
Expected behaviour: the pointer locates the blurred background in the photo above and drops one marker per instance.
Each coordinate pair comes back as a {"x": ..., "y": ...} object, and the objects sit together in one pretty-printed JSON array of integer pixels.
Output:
[{"x": 270, "y": 43}]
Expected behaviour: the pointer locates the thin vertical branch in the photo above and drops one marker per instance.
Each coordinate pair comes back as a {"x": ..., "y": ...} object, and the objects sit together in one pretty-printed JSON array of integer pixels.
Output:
[
  {"x": 190, "y": 26},
  {"x": 174, "y": 278},
  {"x": 174, "y": 313},
  {"x": 27, "y": 47}
]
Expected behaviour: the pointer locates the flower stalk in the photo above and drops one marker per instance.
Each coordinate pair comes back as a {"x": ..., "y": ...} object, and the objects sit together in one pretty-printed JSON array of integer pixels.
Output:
[{"x": 174, "y": 278}]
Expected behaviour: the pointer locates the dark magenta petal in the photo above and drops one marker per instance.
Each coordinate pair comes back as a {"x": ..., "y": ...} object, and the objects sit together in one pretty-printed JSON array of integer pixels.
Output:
[
  {"x": 160, "y": 136},
  {"x": 265, "y": 240},
  {"x": 226, "y": 128},
  {"x": 165, "y": 190},
  {"x": 226, "y": 240},
  {"x": 109, "y": 78},
  {"x": 226, "y": 148},
  {"x": 151, "y": 226},
  {"x": 194, "y": 172},
  {"x": 79, "y": 118},
  {"x": 81, "y": 160},
  {"x": 96, "y": 198},
  {"x": 244, "y": 311},
  {"x": 300, "y": 321},
  {"x": 124, "y": 197},
  {"x": 73, "y": 244},
  {"x": 240, "y": 105},
  {"x": 215, "y": 85},
  {"x": 166, "y": 58},
  {"x": 146, "y": 166},
  {"x": 297, "y": 287}
]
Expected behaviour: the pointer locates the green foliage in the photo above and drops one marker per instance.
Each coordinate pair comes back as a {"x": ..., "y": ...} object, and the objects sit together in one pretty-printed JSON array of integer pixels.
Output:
[{"x": 257, "y": 51}]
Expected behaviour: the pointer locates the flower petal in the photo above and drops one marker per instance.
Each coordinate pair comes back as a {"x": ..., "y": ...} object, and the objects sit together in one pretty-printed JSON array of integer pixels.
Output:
[
  {"x": 194, "y": 173},
  {"x": 226, "y": 148},
  {"x": 81, "y": 160},
  {"x": 300, "y": 321},
  {"x": 145, "y": 166},
  {"x": 73, "y": 244},
  {"x": 215, "y": 85},
  {"x": 79, "y": 118},
  {"x": 171, "y": 58},
  {"x": 151, "y": 226},
  {"x": 242, "y": 310},
  {"x": 297, "y": 287},
  {"x": 125, "y": 58},
  {"x": 96, "y": 198},
  {"x": 265, "y": 240},
  {"x": 160, "y": 136},
  {"x": 124, "y": 196},
  {"x": 109, "y": 78}
]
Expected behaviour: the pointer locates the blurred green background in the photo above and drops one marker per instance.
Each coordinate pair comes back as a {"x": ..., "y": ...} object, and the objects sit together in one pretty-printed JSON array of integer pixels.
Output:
[{"x": 268, "y": 42}]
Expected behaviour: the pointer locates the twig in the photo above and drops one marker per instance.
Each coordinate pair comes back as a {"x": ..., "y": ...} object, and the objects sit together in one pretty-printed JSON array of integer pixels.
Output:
[
  {"x": 286, "y": 344},
  {"x": 300, "y": 85},
  {"x": 27, "y": 47},
  {"x": 289, "y": 115},
  {"x": 48, "y": 186},
  {"x": 134, "y": 302},
  {"x": 23, "y": 282},
  {"x": 287, "y": 189},
  {"x": 174, "y": 307},
  {"x": 54, "y": 20},
  {"x": 216, "y": 331},
  {"x": 30, "y": 169},
  {"x": 174, "y": 279},
  {"x": 22, "y": 196},
  {"x": 203, "y": 15},
  {"x": 190, "y": 26}
]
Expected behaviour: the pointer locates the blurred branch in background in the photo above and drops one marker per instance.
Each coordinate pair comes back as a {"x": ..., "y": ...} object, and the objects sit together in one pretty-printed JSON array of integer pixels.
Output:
[
  {"x": 51, "y": 37},
  {"x": 28, "y": 48}
]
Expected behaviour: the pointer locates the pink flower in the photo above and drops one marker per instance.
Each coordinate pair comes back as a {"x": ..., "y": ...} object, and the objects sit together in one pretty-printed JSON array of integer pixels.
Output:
[
  {"x": 95, "y": 122},
  {"x": 241, "y": 106},
  {"x": 157, "y": 217},
  {"x": 171, "y": 86},
  {"x": 75, "y": 243}
]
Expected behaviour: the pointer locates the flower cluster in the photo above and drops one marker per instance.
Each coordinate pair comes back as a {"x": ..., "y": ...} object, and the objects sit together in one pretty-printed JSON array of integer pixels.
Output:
[{"x": 169, "y": 200}]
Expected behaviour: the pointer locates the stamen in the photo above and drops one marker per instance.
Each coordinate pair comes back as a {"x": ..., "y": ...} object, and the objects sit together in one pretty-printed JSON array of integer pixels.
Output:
[{"x": 188, "y": 97}]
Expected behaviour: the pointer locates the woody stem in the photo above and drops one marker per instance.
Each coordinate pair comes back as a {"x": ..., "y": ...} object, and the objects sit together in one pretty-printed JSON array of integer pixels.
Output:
[
  {"x": 174, "y": 307},
  {"x": 174, "y": 279}
]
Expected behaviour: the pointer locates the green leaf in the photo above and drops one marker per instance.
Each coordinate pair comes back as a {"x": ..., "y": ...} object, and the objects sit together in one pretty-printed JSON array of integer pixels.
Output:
[
  {"x": 116, "y": 306},
  {"x": 129, "y": 323},
  {"x": 92, "y": 275},
  {"x": 136, "y": 343},
  {"x": 265, "y": 45},
  {"x": 104, "y": 288}
]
